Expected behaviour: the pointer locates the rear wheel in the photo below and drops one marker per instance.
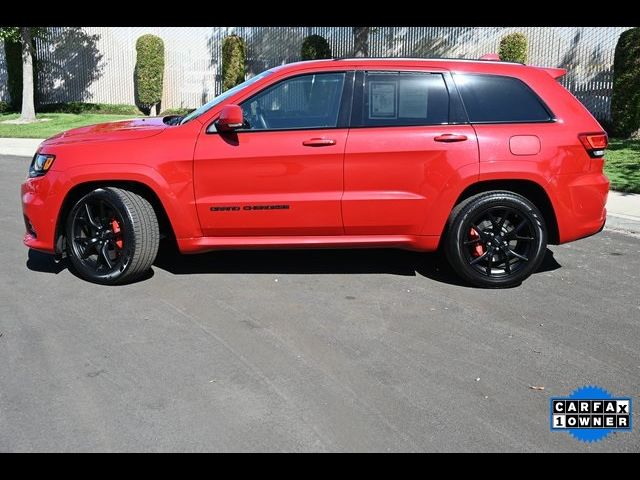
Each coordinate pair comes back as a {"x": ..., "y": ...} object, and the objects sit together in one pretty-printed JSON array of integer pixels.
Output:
[
  {"x": 496, "y": 239},
  {"x": 112, "y": 236}
]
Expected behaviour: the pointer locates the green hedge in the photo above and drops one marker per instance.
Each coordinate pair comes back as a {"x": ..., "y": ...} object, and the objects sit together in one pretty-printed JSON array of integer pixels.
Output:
[
  {"x": 176, "y": 111},
  {"x": 315, "y": 47},
  {"x": 5, "y": 107},
  {"x": 513, "y": 48},
  {"x": 149, "y": 70},
  {"x": 625, "y": 102},
  {"x": 234, "y": 53},
  {"x": 81, "y": 107}
]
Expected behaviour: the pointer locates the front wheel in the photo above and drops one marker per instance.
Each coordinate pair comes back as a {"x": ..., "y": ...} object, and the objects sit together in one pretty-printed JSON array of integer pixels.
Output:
[
  {"x": 496, "y": 239},
  {"x": 112, "y": 236}
]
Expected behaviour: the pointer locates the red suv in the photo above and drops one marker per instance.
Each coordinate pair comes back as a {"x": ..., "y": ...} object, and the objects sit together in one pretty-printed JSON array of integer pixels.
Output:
[{"x": 490, "y": 160}]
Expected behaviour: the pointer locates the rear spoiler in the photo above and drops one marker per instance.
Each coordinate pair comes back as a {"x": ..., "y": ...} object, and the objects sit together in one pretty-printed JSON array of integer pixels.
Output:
[{"x": 556, "y": 73}]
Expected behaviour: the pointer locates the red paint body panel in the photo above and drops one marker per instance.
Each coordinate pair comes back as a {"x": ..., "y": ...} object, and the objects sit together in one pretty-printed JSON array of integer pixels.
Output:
[
  {"x": 524, "y": 145},
  {"x": 393, "y": 176},
  {"x": 353, "y": 187},
  {"x": 270, "y": 168},
  {"x": 111, "y": 132}
]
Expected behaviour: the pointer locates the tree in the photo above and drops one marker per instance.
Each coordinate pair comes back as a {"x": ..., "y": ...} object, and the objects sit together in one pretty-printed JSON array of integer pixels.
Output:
[
  {"x": 315, "y": 47},
  {"x": 149, "y": 72},
  {"x": 625, "y": 102},
  {"x": 233, "y": 61},
  {"x": 361, "y": 41},
  {"x": 513, "y": 48},
  {"x": 24, "y": 35}
]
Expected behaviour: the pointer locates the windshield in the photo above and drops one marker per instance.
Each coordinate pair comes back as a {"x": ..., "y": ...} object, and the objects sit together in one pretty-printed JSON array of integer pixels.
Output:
[{"x": 209, "y": 105}]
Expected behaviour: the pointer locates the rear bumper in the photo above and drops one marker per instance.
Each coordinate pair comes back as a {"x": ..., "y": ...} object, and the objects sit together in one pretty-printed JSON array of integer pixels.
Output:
[{"x": 580, "y": 204}]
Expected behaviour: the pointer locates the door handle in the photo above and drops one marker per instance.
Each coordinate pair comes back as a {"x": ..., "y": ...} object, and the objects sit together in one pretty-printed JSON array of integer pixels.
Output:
[
  {"x": 450, "y": 137},
  {"x": 319, "y": 142}
]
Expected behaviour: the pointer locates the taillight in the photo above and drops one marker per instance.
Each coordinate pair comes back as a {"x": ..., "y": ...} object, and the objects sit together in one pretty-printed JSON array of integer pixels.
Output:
[{"x": 594, "y": 143}]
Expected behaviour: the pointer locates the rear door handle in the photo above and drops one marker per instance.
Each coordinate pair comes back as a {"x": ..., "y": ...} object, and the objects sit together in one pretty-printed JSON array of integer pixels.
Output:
[
  {"x": 450, "y": 137},
  {"x": 319, "y": 142}
]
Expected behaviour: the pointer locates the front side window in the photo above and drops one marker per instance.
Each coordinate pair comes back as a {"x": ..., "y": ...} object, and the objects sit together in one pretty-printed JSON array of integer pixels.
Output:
[
  {"x": 499, "y": 99},
  {"x": 302, "y": 102},
  {"x": 403, "y": 99}
]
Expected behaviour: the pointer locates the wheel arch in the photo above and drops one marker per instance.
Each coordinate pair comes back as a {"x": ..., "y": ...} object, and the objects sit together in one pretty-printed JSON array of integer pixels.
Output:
[
  {"x": 529, "y": 189},
  {"x": 79, "y": 190}
]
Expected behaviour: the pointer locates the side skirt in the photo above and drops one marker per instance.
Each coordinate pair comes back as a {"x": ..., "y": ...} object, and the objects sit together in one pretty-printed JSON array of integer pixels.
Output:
[{"x": 425, "y": 243}]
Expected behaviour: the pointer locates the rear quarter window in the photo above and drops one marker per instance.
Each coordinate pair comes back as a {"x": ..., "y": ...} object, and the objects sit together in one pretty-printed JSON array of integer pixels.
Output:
[{"x": 499, "y": 99}]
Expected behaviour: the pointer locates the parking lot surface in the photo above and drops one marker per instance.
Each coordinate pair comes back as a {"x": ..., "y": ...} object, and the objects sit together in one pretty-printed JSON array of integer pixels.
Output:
[{"x": 361, "y": 350}]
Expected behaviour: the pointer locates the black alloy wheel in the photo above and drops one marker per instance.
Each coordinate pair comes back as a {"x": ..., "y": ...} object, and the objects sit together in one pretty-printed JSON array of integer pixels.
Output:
[
  {"x": 112, "y": 236},
  {"x": 496, "y": 239}
]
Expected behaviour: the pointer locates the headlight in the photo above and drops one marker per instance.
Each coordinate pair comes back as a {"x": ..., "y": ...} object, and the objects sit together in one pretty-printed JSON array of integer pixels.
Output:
[{"x": 41, "y": 164}]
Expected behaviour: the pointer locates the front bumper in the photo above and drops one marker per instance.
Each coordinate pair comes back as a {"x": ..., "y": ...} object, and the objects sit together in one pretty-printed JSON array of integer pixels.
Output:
[{"x": 40, "y": 207}]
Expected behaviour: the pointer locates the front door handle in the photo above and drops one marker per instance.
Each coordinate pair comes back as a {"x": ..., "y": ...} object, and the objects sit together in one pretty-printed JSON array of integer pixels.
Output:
[
  {"x": 319, "y": 142},
  {"x": 450, "y": 137}
]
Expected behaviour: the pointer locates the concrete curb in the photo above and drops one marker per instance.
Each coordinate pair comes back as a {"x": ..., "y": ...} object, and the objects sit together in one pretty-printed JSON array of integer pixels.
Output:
[
  {"x": 22, "y": 147},
  {"x": 624, "y": 204},
  {"x": 623, "y": 223}
]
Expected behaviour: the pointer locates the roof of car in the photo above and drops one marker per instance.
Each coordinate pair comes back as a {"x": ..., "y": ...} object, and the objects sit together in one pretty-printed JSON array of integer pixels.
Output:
[
  {"x": 392, "y": 60},
  {"x": 439, "y": 59},
  {"x": 453, "y": 64}
]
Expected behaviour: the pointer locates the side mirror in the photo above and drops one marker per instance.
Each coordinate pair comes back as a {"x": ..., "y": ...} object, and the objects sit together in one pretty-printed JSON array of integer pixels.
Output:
[{"x": 230, "y": 118}]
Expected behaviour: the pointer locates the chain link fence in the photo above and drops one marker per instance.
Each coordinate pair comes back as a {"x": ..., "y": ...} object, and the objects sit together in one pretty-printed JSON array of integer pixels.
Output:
[{"x": 95, "y": 64}]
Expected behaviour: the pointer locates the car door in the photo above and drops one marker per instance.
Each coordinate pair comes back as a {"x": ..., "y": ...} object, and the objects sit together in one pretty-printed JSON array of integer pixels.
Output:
[
  {"x": 282, "y": 173},
  {"x": 407, "y": 143}
]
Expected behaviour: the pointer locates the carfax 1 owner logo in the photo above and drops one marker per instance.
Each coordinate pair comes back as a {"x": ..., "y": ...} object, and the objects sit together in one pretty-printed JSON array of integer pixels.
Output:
[{"x": 590, "y": 414}]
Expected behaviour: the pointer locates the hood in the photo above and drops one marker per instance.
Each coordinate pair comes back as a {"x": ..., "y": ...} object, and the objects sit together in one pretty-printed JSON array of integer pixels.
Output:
[{"x": 112, "y": 131}]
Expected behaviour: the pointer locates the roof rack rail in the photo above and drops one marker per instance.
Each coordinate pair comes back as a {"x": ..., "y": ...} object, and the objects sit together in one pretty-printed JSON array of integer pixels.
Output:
[{"x": 430, "y": 59}]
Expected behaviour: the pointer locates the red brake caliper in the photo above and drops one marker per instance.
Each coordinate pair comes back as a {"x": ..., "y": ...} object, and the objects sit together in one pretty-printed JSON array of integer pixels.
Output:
[
  {"x": 478, "y": 249},
  {"x": 115, "y": 226}
]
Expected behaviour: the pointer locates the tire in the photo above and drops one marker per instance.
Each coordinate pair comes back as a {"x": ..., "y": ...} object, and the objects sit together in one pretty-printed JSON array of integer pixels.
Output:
[
  {"x": 112, "y": 236},
  {"x": 495, "y": 239}
]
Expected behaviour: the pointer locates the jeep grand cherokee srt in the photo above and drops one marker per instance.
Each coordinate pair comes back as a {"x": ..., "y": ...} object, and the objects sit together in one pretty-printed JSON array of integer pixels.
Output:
[{"x": 490, "y": 160}]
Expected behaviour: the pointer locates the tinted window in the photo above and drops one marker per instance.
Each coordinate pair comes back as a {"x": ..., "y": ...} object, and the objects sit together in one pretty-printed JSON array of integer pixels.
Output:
[
  {"x": 492, "y": 98},
  {"x": 307, "y": 101},
  {"x": 393, "y": 99}
]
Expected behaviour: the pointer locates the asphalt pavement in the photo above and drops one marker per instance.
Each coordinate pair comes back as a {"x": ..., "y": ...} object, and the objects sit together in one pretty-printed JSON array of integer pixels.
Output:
[{"x": 360, "y": 350}]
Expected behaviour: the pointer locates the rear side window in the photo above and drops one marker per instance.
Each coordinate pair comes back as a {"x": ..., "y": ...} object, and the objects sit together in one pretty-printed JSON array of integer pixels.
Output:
[
  {"x": 498, "y": 99},
  {"x": 402, "y": 99}
]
